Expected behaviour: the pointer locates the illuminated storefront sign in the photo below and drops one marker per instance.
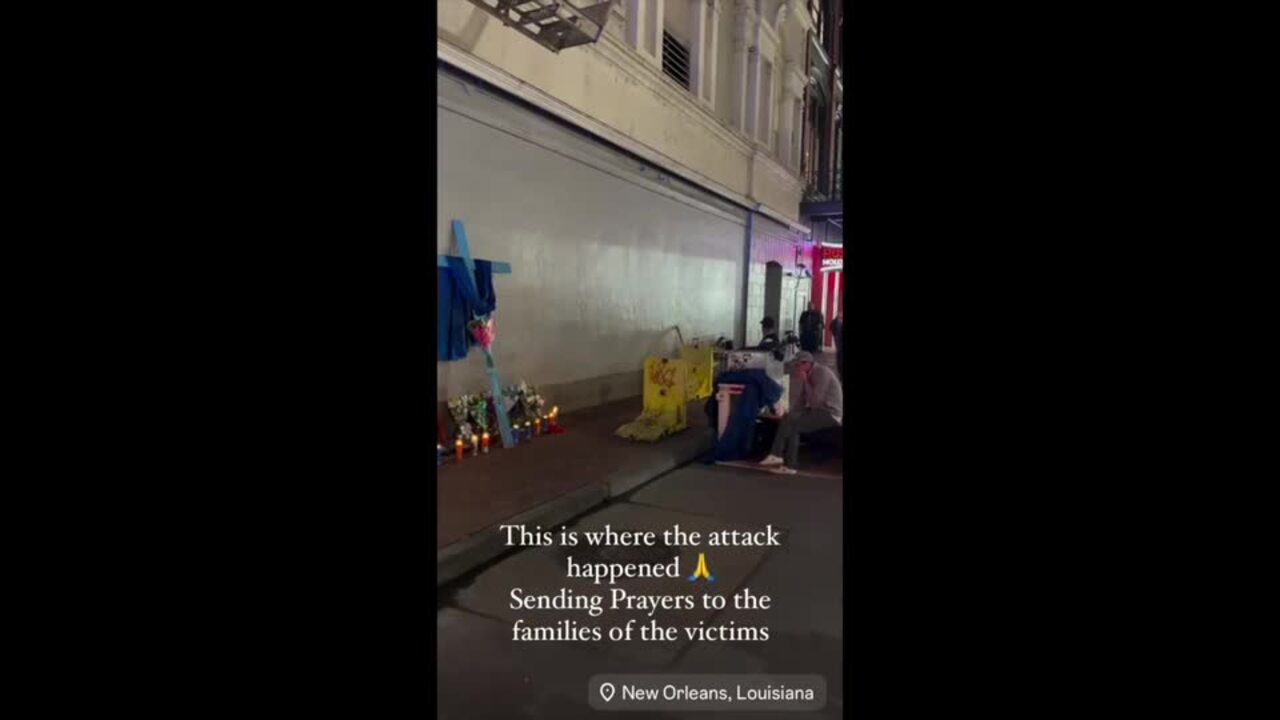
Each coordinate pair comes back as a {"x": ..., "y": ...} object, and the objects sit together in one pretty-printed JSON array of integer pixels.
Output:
[{"x": 832, "y": 259}]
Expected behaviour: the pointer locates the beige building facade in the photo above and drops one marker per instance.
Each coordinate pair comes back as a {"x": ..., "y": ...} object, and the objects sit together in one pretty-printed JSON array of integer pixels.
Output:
[
  {"x": 733, "y": 128},
  {"x": 647, "y": 181}
]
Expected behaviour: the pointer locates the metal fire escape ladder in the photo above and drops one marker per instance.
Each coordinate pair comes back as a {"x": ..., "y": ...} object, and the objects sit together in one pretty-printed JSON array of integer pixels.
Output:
[{"x": 553, "y": 24}]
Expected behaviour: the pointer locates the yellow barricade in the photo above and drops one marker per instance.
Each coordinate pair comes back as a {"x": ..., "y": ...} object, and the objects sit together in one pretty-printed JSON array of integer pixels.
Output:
[
  {"x": 666, "y": 397},
  {"x": 701, "y": 361}
]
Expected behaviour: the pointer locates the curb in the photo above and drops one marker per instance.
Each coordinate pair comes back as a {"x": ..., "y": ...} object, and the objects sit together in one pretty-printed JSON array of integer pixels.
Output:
[{"x": 457, "y": 559}]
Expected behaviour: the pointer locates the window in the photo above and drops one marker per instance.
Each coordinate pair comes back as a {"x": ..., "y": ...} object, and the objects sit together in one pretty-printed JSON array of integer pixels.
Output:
[
  {"x": 797, "y": 134},
  {"x": 766, "y": 105},
  {"x": 675, "y": 59}
]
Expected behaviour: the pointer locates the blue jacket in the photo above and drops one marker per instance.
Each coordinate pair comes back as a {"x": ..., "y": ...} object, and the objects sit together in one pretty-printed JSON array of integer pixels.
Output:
[{"x": 760, "y": 391}]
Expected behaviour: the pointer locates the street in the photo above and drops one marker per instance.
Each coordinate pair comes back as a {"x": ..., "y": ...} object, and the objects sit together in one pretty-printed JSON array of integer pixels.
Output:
[{"x": 483, "y": 674}]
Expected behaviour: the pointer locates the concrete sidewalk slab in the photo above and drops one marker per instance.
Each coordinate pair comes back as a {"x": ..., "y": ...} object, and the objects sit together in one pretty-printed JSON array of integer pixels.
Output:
[
  {"x": 811, "y": 555},
  {"x": 786, "y": 653},
  {"x": 758, "y": 498},
  {"x": 549, "y": 480},
  {"x": 539, "y": 571},
  {"x": 485, "y": 676},
  {"x": 804, "y": 576},
  {"x": 470, "y": 553}
]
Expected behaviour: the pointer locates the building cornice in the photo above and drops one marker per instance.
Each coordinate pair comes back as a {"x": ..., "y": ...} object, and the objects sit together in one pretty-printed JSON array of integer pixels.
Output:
[{"x": 776, "y": 171}]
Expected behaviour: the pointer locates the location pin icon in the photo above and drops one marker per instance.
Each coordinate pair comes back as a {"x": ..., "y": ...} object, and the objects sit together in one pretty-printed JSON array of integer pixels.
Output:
[{"x": 606, "y": 691}]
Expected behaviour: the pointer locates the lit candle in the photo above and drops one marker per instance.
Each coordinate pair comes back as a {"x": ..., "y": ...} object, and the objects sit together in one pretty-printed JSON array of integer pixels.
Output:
[
  {"x": 537, "y": 426},
  {"x": 528, "y": 429},
  {"x": 439, "y": 454},
  {"x": 484, "y": 446},
  {"x": 552, "y": 418},
  {"x": 475, "y": 446},
  {"x": 457, "y": 447}
]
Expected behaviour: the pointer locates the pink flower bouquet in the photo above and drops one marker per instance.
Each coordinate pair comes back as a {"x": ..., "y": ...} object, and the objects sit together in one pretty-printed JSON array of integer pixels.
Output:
[{"x": 482, "y": 331}]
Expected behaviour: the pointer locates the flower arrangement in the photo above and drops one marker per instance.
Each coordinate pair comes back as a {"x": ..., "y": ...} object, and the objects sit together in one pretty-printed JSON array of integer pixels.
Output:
[
  {"x": 531, "y": 400},
  {"x": 478, "y": 406},
  {"x": 482, "y": 331},
  {"x": 460, "y": 411},
  {"x": 473, "y": 414}
]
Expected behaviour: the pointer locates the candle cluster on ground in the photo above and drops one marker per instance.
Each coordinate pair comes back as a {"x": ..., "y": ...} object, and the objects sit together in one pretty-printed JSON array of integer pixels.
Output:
[{"x": 473, "y": 417}]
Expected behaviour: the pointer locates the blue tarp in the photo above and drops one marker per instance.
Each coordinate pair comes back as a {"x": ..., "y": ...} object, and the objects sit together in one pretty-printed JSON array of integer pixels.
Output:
[
  {"x": 459, "y": 304},
  {"x": 759, "y": 391}
]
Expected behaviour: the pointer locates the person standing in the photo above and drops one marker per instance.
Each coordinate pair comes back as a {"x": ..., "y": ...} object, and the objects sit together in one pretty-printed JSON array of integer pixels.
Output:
[
  {"x": 769, "y": 329},
  {"x": 837, "y": 333},
  {"x": 819, "y": 405},
  {"x": 811, "y": 327}
]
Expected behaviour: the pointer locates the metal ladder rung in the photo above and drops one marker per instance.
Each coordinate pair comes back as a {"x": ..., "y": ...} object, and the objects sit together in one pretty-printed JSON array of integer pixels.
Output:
[
  {"x": 536, "y": 16},
  {"x": 556, "y": 29}
]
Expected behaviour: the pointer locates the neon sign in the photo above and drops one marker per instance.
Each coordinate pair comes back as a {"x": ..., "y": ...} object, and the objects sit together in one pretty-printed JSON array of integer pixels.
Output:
[{"x": 832, "y": 259}]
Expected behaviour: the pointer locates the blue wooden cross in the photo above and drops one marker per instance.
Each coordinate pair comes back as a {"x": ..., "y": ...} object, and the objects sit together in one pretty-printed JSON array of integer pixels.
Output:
[{"x": 499, "y": 403}]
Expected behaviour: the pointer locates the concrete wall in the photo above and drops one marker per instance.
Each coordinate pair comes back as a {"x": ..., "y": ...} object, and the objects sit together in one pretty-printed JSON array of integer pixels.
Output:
[
  {"x": 772, "y": 242},
  {"x": 608, "y": 254},
  {"x": 614, "y": 85}
]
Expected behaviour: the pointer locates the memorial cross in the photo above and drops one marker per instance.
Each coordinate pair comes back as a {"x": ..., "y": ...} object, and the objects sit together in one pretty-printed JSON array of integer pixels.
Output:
[{"x": 499, "y": 404}]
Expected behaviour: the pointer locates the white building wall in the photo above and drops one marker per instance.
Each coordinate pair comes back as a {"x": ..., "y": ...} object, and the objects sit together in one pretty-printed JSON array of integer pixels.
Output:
[
  {"x": 611, "y": 89},
  {"x": 607, "y": 256}
]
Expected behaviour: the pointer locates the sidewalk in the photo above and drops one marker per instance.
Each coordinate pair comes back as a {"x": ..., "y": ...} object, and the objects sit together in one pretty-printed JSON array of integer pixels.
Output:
[
  {"x": 550, "y": 480},
  {"x": 484, "y": 675}
]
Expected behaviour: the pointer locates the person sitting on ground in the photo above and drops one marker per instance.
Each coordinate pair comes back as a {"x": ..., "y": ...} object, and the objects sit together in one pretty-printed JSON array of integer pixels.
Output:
[{"x": 819, "y": 405}]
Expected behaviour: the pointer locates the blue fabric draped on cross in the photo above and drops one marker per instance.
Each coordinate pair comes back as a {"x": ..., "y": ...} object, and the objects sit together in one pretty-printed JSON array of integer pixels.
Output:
[{"x": 459, "y": 304}]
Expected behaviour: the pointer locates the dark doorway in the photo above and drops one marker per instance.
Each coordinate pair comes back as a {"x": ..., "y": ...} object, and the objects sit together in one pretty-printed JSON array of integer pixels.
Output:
[{"x": 773, "y": 292}]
